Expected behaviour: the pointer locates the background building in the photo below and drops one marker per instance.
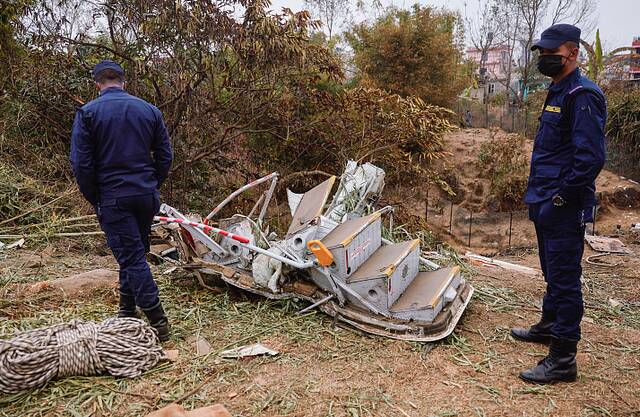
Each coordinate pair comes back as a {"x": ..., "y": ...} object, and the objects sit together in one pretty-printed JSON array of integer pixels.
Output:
[
  {"x": 493, "y": 68},
  {"x": 634, "y": 65}
]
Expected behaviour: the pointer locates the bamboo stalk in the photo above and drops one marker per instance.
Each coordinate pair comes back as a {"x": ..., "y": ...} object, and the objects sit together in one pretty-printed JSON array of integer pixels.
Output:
[
  {"x": 70, "y": 219},
  {"x": 74, "y": 234},
  {"x": 38, "y": 208}
]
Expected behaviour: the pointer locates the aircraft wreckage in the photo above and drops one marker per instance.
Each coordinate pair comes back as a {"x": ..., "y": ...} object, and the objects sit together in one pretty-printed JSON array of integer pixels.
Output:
[{"x": 333, "y": 255}]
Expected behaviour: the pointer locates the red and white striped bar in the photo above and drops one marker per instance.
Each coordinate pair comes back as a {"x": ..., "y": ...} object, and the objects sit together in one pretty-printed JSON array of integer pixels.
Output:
[
  {"x": 237, "y": 192},
  {"x": 204, "y": 227},
  {"x": 243, "y": 240}
]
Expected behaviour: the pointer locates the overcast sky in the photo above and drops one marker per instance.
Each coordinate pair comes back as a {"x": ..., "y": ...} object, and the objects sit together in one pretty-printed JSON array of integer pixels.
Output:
[{"x": 618, "y": 20}]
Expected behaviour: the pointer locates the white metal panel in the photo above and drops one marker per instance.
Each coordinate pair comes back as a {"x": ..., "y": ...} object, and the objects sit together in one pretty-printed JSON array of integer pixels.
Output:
[{"x": 403, "y": 275}]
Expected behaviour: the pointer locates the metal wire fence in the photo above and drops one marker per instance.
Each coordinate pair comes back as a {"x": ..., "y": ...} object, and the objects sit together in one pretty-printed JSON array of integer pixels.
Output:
[
  {"x": 495, "y": 230},
  {"x": 509, "y": 118}
]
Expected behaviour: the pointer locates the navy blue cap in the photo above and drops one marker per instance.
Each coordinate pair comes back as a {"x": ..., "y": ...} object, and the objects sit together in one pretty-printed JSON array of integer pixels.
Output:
[
  {"x": 556, "y": 35},
  {"x": 106, "y": 64}
]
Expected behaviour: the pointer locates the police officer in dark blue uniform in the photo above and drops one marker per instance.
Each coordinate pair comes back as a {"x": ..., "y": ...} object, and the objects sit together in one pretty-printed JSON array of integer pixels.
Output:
[
  {"x": 121, "y": 154},
  {"x": 568, "y": 154}
]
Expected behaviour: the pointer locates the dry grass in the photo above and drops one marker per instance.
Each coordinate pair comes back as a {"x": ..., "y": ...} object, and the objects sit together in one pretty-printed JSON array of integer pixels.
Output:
[{"x": 326, "y": 371}]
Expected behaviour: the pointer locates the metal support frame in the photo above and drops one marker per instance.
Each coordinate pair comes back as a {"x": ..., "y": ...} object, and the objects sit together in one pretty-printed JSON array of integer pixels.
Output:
[
  {"x": 255, "y": 206},
  {"x": 242, "y": 241},
  {"x": 510, "y": 226},
  {"x": 334, "y": 286},
  {"x": 317, "y": 304},
  {"x": 238, "y": 192},
  {"x": 470, "y": 223},
  {"x": 267, "y": 200},
  {"x": 195, "y": 232},
  {"x": 451, "y": 217}
]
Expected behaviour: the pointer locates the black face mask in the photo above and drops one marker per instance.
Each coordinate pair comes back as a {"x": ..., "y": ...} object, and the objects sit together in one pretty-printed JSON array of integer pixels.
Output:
[{"x": 550, "y": 65}]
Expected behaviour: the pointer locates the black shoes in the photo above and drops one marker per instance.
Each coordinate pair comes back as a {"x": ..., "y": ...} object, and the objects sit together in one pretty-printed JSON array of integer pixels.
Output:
[
  {"x": 558, "y": 366},
  {"x": 127, "y": 306},
  {"x": 538, "y": 333},
  {"x": 158, "y": 320}
]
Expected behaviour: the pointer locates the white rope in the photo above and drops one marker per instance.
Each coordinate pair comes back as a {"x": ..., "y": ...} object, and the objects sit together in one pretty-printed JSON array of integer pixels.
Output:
[{"x": 123, "y": 347}]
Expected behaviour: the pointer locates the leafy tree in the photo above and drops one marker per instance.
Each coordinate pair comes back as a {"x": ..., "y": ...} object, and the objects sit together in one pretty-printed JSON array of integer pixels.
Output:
[
  {"x": 623, "y": 131},
  {"x": 243, "y": 90},
  {"x": 504, "y": 161},
  {"x": 412, "y": 52},
  {"x": 10, "y": 13},
  {"x": 332, "y": 13},
  {"x": 214, "y": 73}
]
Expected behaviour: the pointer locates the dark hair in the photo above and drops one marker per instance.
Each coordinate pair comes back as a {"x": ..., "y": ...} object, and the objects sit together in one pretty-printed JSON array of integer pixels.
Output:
[{"x": 108, "y": 75}]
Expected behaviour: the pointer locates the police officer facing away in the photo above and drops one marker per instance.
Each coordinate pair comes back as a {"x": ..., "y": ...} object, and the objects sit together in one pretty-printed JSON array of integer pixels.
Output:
[
  {"x": 568, "y": 155},
  {"x": 121, "y": 154}
]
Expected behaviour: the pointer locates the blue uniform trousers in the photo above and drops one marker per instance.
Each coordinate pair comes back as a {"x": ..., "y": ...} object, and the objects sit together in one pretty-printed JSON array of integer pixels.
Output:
[
  {"x": 560, "y": 233},
  {"x": 126, "y": 221}
]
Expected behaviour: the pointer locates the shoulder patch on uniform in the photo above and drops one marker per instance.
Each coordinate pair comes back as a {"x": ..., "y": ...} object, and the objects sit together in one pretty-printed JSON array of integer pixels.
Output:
[
  {"x": 575, "y": 89},
  {"x": 553, "y": 109}
]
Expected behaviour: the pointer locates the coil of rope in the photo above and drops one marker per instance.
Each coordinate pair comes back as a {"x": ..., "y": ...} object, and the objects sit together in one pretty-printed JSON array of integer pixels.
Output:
[{"x": 123, "y": 347}]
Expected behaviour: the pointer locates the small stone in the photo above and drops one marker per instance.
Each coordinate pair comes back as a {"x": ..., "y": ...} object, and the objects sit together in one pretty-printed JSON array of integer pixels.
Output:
[
  {"x": 615, "y": 303},
  {"x": 171, "y": 354}
]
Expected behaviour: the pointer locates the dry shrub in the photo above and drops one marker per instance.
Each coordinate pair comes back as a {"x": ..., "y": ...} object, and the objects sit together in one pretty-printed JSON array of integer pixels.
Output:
[
  {"x": 415, "y": 52},
  {"x": 623, "y": 132},
  {"x": 20, "y": 193},
  {"x": 504, "y": 161},
  {"x": 404, "y": 136}
]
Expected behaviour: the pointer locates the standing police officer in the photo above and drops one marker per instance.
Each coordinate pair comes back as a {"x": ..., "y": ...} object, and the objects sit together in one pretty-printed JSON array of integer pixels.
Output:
[
  {"x": 568, "y": 155},
  {"x": 121, "y": 154}
]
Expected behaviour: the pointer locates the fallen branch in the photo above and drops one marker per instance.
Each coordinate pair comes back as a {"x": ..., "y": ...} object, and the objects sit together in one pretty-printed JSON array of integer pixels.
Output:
[
  {"x": 74, "y": 234},
  {"x": 69, "y": 220},
  {"x": 197, "y": 388},
  {"x": 26, "y": 213}
]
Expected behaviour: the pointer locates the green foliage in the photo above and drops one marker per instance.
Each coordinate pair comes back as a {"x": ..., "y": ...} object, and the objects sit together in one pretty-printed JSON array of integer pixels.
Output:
[
  {"x": 602, "y": 65},
  {"x": 504, "y": 161},
  {"x": 598, "y": 51},
  {"x": 595, "y": 58},
  {"x": 535, "y": 101},
  {"x": 10, "y": 13},
  {"x": 412, "y": 53},
  {"x": 27, "y": 196},
  {"x": 624, "y": 119}
]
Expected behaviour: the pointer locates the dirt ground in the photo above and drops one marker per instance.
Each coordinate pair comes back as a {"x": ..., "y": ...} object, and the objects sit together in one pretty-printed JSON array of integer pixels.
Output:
[
  {"x": 619, "y": 201},
  {"x": 327, "y": 371},
  {"x": 464, "y": 146}
]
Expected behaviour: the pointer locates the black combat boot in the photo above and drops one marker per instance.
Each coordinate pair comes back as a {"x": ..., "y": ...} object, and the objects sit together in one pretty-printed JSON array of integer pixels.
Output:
[
  {"x": 127, "y": 306},
  {"x": 539, "y": 332},
  {"x": 158, "y": 320},
  {"x": 559, "y": 365}
]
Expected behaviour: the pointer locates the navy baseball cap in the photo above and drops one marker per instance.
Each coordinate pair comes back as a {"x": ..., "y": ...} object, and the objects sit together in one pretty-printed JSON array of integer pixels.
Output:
[
  {"x": 106, "y": 64},
  {"x": 556, "y": 35}
]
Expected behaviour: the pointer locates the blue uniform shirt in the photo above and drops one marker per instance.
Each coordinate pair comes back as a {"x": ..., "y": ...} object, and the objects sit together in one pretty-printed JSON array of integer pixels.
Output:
[
  {"x": 569, "y": 148},
  {"x": 119, "y": 147}
]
